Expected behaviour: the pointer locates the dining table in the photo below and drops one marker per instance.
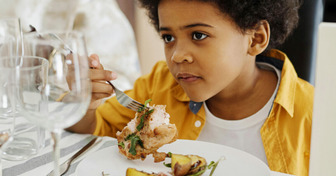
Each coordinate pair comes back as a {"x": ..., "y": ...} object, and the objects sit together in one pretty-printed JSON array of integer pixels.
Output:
[{"x": 42, "y": 163}]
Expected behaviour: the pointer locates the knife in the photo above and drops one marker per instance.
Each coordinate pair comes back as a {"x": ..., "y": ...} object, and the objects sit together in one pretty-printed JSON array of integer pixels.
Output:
[{"x": 64, "y": 167}]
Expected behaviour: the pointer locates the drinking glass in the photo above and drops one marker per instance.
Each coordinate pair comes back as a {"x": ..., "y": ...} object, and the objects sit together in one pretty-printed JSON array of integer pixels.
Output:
[
  {"x": 4, "y": 138},
  {"x": 27, "y": 139},
  {"x": 6, "y": 123},
  {"x": 65, "y": 97}
]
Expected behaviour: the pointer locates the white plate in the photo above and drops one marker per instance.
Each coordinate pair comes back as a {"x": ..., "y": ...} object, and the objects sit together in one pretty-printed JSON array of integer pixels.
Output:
[{"x": 237, "y": 163}]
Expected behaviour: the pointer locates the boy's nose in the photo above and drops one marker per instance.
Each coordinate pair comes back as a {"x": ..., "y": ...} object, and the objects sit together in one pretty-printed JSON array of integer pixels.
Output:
[{"x": 180, "y": 56}]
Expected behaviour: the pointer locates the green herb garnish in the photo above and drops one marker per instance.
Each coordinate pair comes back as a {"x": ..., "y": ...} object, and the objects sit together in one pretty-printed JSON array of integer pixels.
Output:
[
  {"x": 121, "y": 144},
  {"x": 167, "y": 164},
  {"x": 129, "y": 136},
  {"x": 211, "y": 166},
  {"x": 169, "y": 154},
  {"x": 134, "y": 141},
  {"x": 141, "y": 109},
  {"x": 198, "y": 173},
  {"x": 142, "y": 119},
  {"x": 140, "y": 143},
  {"x": 149, "y": 112},
  {"x": 141, "y": 124},
  {"x": 147, "y": 101},
  {"x": 145, "y": 105}
]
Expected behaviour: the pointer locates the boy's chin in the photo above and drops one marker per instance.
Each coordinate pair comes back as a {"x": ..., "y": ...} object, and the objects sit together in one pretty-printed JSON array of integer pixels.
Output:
[{"x": 197, "y": 98}]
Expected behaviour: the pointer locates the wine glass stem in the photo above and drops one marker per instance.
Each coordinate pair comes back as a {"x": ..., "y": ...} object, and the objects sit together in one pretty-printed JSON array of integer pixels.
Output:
[{"x": 56, "y": 134}]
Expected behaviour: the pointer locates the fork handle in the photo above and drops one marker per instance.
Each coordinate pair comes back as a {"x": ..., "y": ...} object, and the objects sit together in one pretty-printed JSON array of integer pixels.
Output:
[{"x": 110, "y": 84}]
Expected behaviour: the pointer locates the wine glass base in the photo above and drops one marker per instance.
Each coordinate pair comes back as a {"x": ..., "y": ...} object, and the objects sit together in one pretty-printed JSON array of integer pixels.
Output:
[{"x": 19, "y": 149}]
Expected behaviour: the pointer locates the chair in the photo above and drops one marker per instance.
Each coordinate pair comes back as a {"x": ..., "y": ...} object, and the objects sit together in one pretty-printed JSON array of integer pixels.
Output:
[
  {"x": 329, "y": 11},
  {"x": 300, "y": 47}
]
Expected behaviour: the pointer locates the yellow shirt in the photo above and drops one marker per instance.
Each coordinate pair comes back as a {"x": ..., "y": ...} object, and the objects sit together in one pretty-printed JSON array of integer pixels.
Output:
[{"x": 285, "y": 133}]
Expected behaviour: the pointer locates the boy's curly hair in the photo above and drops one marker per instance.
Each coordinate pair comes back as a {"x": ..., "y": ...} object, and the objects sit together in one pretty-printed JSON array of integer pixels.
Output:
[{"x": 282, "y": 15}]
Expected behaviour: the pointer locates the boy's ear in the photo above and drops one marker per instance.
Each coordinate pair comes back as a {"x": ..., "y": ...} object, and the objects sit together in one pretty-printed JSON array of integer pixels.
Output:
[{"x": 259, "y": 38}]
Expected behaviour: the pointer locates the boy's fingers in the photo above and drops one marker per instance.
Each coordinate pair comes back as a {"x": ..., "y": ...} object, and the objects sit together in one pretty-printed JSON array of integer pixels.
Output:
[
  {"x": 103, "y": 75},
  {"x": 98, "y": 96},
  {"x": 101, "y": 87},
  {"x": 94, "y": 62}
]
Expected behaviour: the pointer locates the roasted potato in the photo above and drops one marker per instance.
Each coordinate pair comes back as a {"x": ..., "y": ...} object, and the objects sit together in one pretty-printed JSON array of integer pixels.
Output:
[
  {"x": 180, "y": 164},
  {"x": 134, "y": 172},
  {"x": 197, "y": 164}
]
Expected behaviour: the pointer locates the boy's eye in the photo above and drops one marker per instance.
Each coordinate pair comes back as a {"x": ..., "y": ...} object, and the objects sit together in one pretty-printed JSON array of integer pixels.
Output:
[
  {"x": 198, "y": 36},
  {"x": 168, "y": 38}
]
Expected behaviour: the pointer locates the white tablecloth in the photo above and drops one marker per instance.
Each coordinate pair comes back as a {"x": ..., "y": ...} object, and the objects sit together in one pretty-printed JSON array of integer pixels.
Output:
[{"x": 70, "y": 143}]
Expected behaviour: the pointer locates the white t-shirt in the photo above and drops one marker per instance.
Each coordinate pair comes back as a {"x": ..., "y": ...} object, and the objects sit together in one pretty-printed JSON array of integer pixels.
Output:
[{"x": 241, "y": 134}]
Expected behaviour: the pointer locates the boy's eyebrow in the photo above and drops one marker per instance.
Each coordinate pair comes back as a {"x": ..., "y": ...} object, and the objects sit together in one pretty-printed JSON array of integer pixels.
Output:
[
  {"x": 187, "y": 26},
  {"x": 196, "y": 24}
]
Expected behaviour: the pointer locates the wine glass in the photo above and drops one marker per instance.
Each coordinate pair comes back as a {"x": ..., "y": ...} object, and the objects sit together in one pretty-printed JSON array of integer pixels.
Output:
[
  {"x": 10, "y": 32},
  {"x": 65, "y": 97},
  {"x": 10, "y": 37}
]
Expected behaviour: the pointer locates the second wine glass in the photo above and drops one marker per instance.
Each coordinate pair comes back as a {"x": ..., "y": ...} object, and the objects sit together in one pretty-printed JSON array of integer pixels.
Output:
[{"x": 65, "y": 97}]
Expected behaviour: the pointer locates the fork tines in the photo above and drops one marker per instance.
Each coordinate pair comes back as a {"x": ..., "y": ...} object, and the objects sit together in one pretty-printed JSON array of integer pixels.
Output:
[
  {"x": 125, "y": 100},
  {"x": 134, "y": 105}
]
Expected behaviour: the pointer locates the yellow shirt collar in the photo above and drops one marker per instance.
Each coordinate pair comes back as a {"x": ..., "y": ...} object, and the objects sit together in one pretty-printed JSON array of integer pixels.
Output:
[{"x": 286, "y": 92}]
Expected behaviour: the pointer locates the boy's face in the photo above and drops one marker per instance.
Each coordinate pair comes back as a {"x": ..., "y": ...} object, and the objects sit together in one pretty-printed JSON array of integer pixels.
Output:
[{"x": 205, "y": 51}]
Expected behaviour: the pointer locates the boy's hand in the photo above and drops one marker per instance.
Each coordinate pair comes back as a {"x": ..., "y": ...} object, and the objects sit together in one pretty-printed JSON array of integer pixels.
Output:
[{"x": 99, "y": 76}]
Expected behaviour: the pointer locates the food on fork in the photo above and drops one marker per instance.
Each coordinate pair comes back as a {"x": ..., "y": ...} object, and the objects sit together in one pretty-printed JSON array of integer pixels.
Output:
[{"x": 146, "y": 133}]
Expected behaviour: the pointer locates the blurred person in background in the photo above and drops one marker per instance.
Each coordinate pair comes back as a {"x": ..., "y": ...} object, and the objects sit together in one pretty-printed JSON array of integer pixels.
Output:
[{"x": 107, "y": 31}]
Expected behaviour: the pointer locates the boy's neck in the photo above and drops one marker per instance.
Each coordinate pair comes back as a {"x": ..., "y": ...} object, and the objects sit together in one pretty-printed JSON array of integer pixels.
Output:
[{"x": 244, "y": 103}]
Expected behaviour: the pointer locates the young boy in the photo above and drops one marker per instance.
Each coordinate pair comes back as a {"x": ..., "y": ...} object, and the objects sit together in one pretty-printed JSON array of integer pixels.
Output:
[{"x": 222, "y": 82}]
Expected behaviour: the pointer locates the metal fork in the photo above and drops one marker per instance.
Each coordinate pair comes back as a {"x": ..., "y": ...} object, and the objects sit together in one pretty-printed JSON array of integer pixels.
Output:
[
  {"x": 64, "y": 167},
  {"x": 125, "y": 100}
]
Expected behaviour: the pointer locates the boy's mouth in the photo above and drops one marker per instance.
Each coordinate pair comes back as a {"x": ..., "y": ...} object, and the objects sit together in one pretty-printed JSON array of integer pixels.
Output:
[{"x": 187, "y": 77}]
